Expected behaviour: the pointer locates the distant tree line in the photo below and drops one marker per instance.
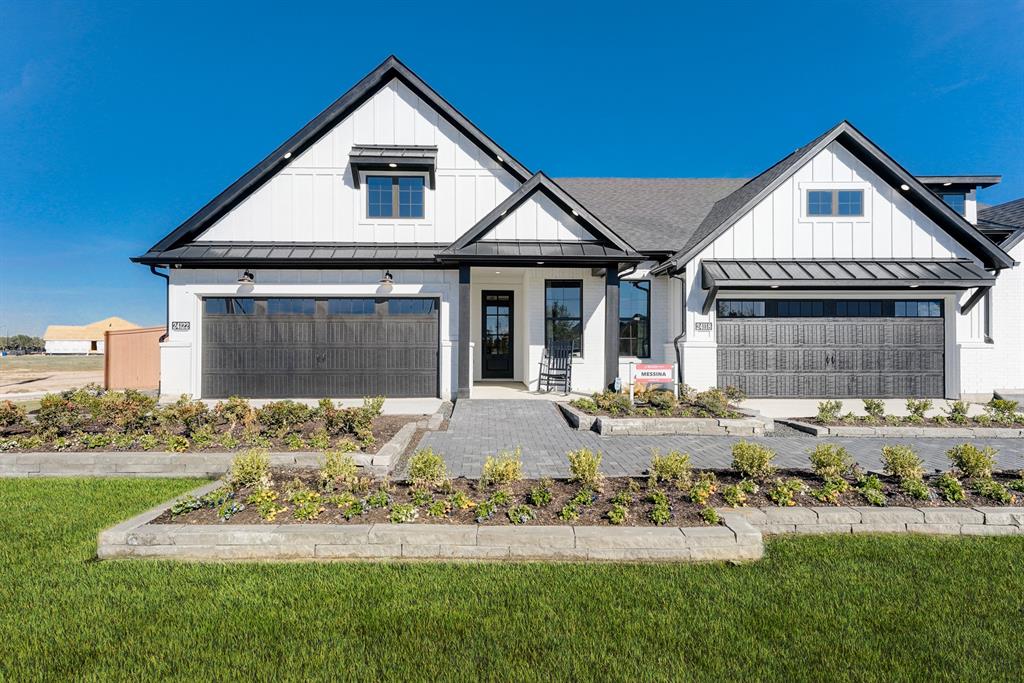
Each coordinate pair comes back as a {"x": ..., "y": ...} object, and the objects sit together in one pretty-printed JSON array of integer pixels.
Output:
[{"x": 22, "y": 342}]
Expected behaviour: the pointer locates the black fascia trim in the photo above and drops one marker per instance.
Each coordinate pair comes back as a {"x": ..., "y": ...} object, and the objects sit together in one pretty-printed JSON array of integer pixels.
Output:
[
  {"x": 540, "y": 182},
  {"x": 383, "y": 164},
  {"x": 286, "y": 264},
  {"x": 317, "y": 128}
]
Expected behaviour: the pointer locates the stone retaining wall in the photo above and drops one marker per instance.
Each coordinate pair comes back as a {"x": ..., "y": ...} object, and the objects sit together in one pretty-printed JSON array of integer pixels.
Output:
[
  {"x": 909, "y": 431},
  {"x": 977, "y": 521},
  {"x": 138, "y": 537},
  {"x": 652, "y": 426}
]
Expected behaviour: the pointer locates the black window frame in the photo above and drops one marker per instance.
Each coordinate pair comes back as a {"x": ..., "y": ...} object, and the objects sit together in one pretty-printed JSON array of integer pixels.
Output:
[
  {"x": 396, "y": 196},
  {"x": 548, "y": 284},
  {"x": 834, "y": 205},
  {"x": 644, "y": 286},
  {"x": 962, "y": 198}
]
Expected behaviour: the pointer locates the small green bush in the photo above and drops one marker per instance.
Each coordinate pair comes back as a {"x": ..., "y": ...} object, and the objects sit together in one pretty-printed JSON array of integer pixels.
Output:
[
  {"x": 993, "y": 490},
  {"x": 585, "y": 468},
  {"x": 570, "y": 512},
  {"x": 338, "y": 467},
  {"x": 540, "y": 495},
  {"x": 127, "y": 410},
  {"x": 713, "y": 401},
  {"x": 917, "y": 407},
  {"x": 872, "y": 490},
  {"x": 504, "y": 468},
  {"x": 403, "y": 513},
  {"x": 176, "y": 443},
  {"x": 439, "y": 508},
  {"x": 281, "y": 417},
  {"x": 663, "y": 400},
  {"x": 12, "y": 415},
  {"x": 828, "y": 411},
  {"x": 673, "y": 468},
  {"x": 830, "y": 461},
  {"x": 902, "y": 462},
  {"x": 950, "y": 487},
  {"x": 1001, "y": 410},
  {"x": 710, "y": 516},
  {"x": 295, "y": 442},
  {"x": 613, "y": 402},
  {"x": 618, "y": 514},
  {"x": 427, "y": 469},
  {"x": 148, "y": 442},
  {"x": 972, "y": 461},
  {"x": 520, "y": 514},
  {"x": 61, "y": 413},
  {"x": 957, "y": 412},
  {"x": 235, "y": 411},
  {"x": 830, "y": 491},
  {"x": 875, "y": 408},
  {"x": 703, "y": 488},
  {"x": 783, "y": 492},
  {"x": 203, "y": 436},
  {"x": 587, "y": 405},
  {"x": 915, "y": 488},
  {"x": 185, "y": 413},
  {"x": 752, "y": 460},
  {"x": 265, "y": 502},
  {"x": 379, "y": 499},
  {"x": 251, "y": 468},
  {"x": 661, "y": 512},
  {"x": 734, "y": 496},
  {"x": 460, "y": 501}
]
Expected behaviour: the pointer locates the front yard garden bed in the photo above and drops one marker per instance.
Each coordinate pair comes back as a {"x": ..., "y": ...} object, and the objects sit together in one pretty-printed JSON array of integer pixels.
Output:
[
  {"x": 1000, "y": 420},
  {"x": 714, "y": 411},
  {"x": 94, "y": 420}
]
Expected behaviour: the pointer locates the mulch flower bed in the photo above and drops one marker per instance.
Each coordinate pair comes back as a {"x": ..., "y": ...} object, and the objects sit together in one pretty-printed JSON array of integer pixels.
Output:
[
  {"x": 998, "y": 413},
  {"x": 713, "y": 403}
]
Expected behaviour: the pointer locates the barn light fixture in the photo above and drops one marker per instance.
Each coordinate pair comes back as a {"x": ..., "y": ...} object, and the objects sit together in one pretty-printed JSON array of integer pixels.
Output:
[
  {"x": 246, "y": 278},
  {"x": 904, "y": 187},
  {"x": 387, "y": 282}
]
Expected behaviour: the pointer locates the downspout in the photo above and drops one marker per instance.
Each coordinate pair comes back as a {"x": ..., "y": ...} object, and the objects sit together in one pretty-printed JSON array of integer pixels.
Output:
[
  {"x": 682, "y": 335},
  {"x": 167, "y": 299}
]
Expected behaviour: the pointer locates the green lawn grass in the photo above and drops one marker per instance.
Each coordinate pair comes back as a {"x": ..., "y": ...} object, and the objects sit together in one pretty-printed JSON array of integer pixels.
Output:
[{"x": 816, "y": 609}]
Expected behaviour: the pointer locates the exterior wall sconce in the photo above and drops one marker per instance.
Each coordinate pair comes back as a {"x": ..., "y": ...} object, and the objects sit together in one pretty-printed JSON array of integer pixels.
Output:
[
  {"x": 387, "y": 282},
  {"x": 247, "y": 278}
]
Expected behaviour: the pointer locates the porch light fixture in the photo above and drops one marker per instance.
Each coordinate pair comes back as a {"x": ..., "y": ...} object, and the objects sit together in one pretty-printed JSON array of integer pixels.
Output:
[
  {"x": 388, "y": 278},
  {"x": 246, "y": 278},
  {"x": 904, "y": 187}
]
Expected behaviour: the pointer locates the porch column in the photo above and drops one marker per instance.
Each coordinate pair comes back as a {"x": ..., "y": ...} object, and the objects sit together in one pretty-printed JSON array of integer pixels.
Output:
[
  {"x": 611, "y": 324},
  {"x": 463, "y": 388}
]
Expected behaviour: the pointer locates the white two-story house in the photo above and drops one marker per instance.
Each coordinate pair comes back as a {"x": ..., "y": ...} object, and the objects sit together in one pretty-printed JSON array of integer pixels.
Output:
[{"x": 391, "y": 247}]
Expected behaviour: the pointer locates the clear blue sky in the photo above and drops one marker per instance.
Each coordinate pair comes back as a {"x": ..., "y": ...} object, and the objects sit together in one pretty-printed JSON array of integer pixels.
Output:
[{"x": 118, "y": 120}]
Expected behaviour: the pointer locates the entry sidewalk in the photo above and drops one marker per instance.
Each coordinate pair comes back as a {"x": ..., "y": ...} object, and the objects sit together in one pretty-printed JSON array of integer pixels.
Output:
[{"x": 479, "y": 428}]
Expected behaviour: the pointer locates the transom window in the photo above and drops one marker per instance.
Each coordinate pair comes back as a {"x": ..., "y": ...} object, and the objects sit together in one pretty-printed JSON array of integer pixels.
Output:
[
  {"x": 394, "y": 196},
  {"x": 956, "y": 200},
  {"x": 829, "y": 308},
  {"x": 835, "y": 202},
  {"x": 563, "y": 313},
  {"x": 635, "y": 319}
]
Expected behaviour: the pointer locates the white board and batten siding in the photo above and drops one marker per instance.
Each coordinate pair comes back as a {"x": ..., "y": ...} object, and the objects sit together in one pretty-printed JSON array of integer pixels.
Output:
[
  {"x": 539, "y": 218},
  {"x": 314, "y": 198}
]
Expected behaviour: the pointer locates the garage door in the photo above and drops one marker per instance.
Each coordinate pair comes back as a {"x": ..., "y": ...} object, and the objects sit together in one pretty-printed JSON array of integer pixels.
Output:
[
  {"x": 311, "y": 348},
  {"x": 833, "y": 348}
]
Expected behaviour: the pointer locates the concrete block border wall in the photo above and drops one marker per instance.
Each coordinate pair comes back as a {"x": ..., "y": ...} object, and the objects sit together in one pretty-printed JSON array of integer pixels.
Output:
[
  {"x": 964, "y": 521},
  {"x": 751, "y": 425}
]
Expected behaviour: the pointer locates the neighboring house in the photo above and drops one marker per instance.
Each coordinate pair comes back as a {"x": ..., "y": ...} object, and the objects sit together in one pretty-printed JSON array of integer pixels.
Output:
[
  {"x": 391, "y": 247},
  {"x": 82, "y": 338},
  {"x": 1003, "y": 370}
]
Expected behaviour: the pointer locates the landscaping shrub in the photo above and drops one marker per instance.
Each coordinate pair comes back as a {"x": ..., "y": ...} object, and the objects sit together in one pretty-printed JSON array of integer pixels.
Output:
[
  {"x": 783, "y": 492},
  {"x": 734, "y": 496},
  {"x": 520, "y": 514},
  {"x": 294, "y": 442},
  {"x": 185, "y": 412},
  {"x": 830, "y": 491},
  {"x": 251, "y": 468},
  {"x": 710, "y": 516},
  {"x": 234, "y": 411},
  {"x": 203, "y": 437},
  {"x": 127, "y": 410},
  {"x": 307, "y": 504},
  {"x": 703, "y": 488},
  {"x": 148, "y": 442},
  {"x": 752, "y": 460},
  {"x": 427, "y": 469},
  {"x": 587, "y": 405},
  {"x": 540, "y": 495},
  {"x": 673, "y": 468},
  {"x": 661, "y": 512},
  {"x": 281, "y": 417},
  {"x": 828, "y": 411},
  {"x": 831, "y": 462},
  {"x": 439, "y": 508},
  {"x": 663, "y": 400},
  {"x": 265, "y": 502},
  {"x": 176, "y": 443},
  {"x": 618, "y": 513},
  {"x": 1001, "y": 411},
  {"x": 505, "y": 468},
  {"x": 875, "y": 408},
  {"x": 12, "y": 415},
  {"x": 734, "y": 394},
  {"x": 63, "y": 413},
  {"x": 950, "y": 487},
  {"x": 585, "y": 468},
  {"x": 714, "y": 401},
  {"x": 973, "y": 462},
  {"x": 403, "y": 513},
  {"x": 379, "y": 498},
  {"x": 957, "y": 411},
  {"x": 871, "y": 489},
  {"x": 915, "y": 488},
  {"x": 917, "y": 407},
  {"x": 338, "y": 467},
  {"x": 902, "y": 462},
  {"x": 460, "y": 501},
  {"x": 993, "y": 490},
  {"x": 613, "y": 402}
]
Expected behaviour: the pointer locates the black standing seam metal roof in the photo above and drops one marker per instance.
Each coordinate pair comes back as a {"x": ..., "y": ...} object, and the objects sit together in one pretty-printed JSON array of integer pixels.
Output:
[
  {"x": 728, "y": 210},
  {"x": 389, "y": 69},
  {"x": 504, "y": 250},
  {"x": 291, "y": 254},
  {"x": 842, "y": 273}
]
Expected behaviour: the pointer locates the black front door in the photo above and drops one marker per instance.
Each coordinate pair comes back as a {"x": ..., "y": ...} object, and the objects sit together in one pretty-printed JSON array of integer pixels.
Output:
[{"x": 496, "y": 332}]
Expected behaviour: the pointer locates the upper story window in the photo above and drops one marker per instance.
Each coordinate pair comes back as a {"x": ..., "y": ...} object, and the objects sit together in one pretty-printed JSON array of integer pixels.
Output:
[
  {"x": 956, "y": 200},
  {"x": 394, "y": 196},
  {"x": 835, "y": 202}
]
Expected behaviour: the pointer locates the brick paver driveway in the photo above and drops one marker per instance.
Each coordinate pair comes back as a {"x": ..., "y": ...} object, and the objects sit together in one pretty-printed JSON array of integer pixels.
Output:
[{"x": 483, "y": 427}]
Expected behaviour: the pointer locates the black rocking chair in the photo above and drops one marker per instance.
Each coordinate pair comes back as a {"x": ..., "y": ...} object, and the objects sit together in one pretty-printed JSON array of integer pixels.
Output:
[{"x": 556, "y": 367}]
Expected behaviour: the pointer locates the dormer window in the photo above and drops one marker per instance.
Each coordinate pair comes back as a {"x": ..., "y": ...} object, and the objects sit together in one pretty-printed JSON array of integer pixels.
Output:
[
  {"x": 394, "y": 196},
  {"x": 835, "y": 203},
  {"x": 956, "y": 200}
]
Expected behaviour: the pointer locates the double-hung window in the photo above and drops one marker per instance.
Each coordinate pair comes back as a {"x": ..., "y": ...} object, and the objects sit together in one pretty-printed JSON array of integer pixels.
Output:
[
  {"x": 394, "y": 196},
  {"x": 563, "y": 313},
  {"x": 635, "y": 318}
]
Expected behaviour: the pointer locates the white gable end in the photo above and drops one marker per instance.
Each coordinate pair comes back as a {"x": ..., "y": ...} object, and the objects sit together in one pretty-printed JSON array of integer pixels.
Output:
[
  {"x": 891, "y": 226},
  {"x": 314, "y": 198},
  {"x": 539, "y": 218}
]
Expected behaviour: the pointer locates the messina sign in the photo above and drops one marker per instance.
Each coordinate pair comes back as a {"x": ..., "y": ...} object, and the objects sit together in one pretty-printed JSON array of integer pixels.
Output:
[{"x": 651, "y": 373}]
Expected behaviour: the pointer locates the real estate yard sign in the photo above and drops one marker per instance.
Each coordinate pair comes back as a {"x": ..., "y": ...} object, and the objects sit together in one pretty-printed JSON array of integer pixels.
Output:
[{"x": 650, "y": 373}]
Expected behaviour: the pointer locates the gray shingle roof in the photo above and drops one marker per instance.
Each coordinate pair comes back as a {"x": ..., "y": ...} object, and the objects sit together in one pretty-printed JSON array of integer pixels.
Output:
[
  {"x": 652, "y": 214},
  {"x": 1010, "y": 214}
]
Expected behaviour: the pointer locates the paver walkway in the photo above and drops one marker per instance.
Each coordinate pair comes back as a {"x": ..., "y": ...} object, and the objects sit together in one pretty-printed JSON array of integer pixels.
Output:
[{"x": 481, "y": 427}]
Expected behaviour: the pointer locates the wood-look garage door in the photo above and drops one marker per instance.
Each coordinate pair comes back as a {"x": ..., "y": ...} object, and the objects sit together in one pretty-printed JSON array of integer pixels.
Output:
[
  {"x": 834, "y": 356},
  {"x": 311, "y": 348}
]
